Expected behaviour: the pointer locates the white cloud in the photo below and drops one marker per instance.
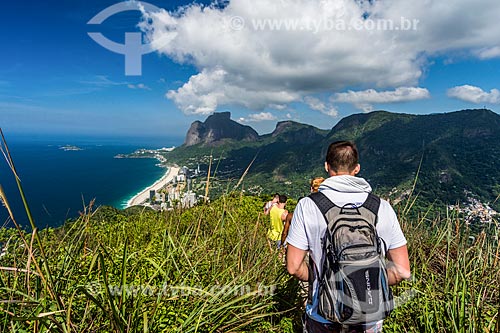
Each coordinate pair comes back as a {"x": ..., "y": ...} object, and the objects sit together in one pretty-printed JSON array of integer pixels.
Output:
[
  {"x": 365, "y": 99},
  {"x": 318, "y": 105},
  {"x": 263, "y": 116},
  {"x": 211, "y": 88},
  {"x": 258, "y": 117},
  {"x": 488, "y": 53},
  {"x": 140, "y": 86},
  {"x": 90, "y": 85},
  {"x": 241, "y": 63},
  {"x": 102, "y": 81},
  {"x": 279, "y": 107},
  {"x": 475, "y": 94}
]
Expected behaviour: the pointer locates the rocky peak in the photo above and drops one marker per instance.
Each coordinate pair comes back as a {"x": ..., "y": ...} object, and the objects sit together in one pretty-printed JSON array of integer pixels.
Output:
[
  {"x": 282, "y": 127},
  {"x": 217, "y": 127}
]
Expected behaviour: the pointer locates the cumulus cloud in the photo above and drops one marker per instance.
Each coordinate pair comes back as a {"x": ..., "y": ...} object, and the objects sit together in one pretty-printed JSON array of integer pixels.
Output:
[
  {"x": 204, "y": 92},
  {"x": 258, "y": 117},
  {"x": 318, "y": 105},
  {"x": 266, "y": 52},
  {"x": 474, "y": 94},
  {"x": 365, "y": 99}
]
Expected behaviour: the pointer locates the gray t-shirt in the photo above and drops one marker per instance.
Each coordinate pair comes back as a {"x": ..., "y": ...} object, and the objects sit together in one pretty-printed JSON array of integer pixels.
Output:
[{"x": 308, "y": 225}]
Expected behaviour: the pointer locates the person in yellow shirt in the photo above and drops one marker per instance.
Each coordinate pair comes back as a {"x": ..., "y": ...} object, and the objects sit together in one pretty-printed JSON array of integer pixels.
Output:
[{"x": 277, "y": 214}]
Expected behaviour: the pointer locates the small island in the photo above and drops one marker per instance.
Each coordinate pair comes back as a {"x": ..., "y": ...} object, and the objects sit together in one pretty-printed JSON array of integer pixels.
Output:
[{"x": 70, "y": 148}]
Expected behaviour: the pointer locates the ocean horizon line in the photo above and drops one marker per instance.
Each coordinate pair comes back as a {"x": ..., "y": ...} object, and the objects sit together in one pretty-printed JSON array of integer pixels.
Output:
[{"x": 56, "y": 184}]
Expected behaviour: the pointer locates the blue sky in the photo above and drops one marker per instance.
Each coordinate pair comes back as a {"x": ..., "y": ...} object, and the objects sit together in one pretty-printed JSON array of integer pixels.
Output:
[{"x": 55, "y": 80}]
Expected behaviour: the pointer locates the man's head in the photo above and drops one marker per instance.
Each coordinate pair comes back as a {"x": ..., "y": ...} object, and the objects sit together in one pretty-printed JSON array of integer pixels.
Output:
[
  {"x": 342, "y": 159},
  {"x": 282, "y": 200}
]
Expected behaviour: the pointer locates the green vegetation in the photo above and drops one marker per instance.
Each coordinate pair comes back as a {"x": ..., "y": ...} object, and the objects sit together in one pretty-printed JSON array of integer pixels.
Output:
[
  {"x": 455, "y": 278},
  {"x": 211, "y": 269},
  {"x": 208, "y": 269}
]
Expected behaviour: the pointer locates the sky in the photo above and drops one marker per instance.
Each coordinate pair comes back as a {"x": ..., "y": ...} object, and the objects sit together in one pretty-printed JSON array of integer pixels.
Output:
[{"x": 264, "y": 60}]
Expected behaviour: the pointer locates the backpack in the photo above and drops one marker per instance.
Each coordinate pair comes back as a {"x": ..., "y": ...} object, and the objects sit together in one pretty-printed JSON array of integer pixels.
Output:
[{"x": 353, "y": 287}]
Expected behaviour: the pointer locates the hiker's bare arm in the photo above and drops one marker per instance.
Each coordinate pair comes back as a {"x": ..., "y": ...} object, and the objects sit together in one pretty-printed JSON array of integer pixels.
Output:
[
  {"x": 398, "y": 268},
  {"x": 284, "y": 215},
  {"x": 288, "y": 221},
  {"x": 295, "y": 263}
]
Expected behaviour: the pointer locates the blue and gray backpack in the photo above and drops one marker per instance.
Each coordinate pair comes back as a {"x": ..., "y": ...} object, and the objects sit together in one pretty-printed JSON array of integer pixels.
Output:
[{"x": 353, "y": 286}]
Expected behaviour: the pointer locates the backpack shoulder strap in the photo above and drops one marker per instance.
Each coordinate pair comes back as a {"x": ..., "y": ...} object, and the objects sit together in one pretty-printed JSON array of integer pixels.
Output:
[
  {"x": 324, "y": 204},
  {"x": 372, "y": 203}
]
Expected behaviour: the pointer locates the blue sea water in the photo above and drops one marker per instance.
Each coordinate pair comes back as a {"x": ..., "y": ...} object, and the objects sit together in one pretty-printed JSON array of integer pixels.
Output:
[{"x": 59, "y": 183}]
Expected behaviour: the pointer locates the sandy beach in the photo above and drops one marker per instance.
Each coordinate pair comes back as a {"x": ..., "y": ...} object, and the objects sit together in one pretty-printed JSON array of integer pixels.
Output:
[{"x": 144, "y": 195}]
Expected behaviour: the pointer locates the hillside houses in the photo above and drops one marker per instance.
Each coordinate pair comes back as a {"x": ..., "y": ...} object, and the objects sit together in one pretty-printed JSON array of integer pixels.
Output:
[{"x": 475, "y": 211}]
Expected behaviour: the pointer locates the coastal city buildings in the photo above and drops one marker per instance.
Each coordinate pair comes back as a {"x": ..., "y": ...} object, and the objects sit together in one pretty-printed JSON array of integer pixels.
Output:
[
  {"x": 176, "y": 189},
  {"x": 178, "y": 192}
]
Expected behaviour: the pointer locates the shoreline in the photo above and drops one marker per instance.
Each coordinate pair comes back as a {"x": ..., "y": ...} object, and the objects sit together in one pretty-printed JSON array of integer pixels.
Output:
[{"x": 142, "y": 196}]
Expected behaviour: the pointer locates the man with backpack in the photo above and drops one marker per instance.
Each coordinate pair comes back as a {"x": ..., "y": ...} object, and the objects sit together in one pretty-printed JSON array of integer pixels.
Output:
[{"x": 348, "y": 232}]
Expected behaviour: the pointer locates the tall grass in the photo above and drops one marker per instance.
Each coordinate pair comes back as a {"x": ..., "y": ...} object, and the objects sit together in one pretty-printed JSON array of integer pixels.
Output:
[
  {"x": 456, "y": 278},
  {"x": 199, "y": 270},
  {"x": 149, "y": 272}
]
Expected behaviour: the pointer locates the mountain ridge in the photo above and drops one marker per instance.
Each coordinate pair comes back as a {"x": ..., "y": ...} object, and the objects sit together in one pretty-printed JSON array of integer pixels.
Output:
[{"x": 453, "y": 152}]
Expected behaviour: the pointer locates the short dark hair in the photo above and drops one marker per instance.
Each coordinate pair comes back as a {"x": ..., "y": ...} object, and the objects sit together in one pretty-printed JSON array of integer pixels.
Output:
[
  {"x": 276, "y": 194},
  {"x": 342, "y": 156},
  {"x": 283, "y": 198}
]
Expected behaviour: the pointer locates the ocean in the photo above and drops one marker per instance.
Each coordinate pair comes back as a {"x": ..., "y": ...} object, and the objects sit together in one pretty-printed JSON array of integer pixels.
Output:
[{"x": 58, "y": 183}]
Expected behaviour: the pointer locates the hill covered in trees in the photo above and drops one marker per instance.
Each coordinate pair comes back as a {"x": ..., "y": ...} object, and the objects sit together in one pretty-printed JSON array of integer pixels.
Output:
[{"x": 451, "y": 152}]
